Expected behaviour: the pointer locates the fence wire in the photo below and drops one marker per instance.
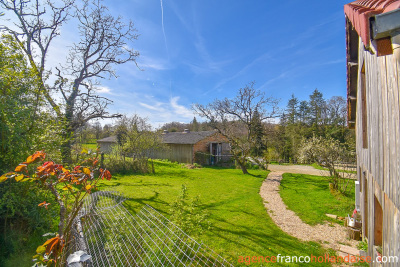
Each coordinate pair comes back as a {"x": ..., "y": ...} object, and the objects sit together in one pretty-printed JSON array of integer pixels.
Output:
[{"x": 113, "y": 237}]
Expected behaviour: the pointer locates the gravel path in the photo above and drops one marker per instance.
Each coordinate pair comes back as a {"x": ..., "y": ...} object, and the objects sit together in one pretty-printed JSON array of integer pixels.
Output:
[
  {"x": 301, "y": 169},
  {"x": 329, "y": 235}
]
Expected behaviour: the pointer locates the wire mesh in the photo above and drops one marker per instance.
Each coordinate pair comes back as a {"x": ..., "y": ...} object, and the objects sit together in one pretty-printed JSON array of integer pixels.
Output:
[{"x": 113, "y": 237}]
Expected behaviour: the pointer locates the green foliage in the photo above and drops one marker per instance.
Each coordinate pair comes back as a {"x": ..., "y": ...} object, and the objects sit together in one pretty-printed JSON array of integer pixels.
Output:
[
  {"x": 195, "y": 127},
  {"x": 304, "y": 119},
  {"x": 136, "y": 143},
  {"x": 257, "y": 135},
  {"x": 22, "y": 222},
  {"x": 68, "y": 188},
  {"x": 362, "y": 245},
  {"x": 292, "y": 109},
  {"x": 188, "y": 215},
  {"x": 117, "y": 163},
  {"x": 309, "y": 197},
  {"x": 25, "y": 124}
]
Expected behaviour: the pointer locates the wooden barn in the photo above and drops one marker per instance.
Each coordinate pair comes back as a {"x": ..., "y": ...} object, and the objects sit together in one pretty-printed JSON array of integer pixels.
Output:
[
  {"x": 204, "y": 147},
  {"x": 373, "y": 83}
]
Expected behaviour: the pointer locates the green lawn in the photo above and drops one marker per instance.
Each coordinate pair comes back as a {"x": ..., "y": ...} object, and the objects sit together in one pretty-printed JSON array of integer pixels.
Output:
[
  {"x": 310, "y": 198},
  {"x": 91, "y": 146},
  {"x": 240, "y": 224},
  {"x": 319, "y": 167}
]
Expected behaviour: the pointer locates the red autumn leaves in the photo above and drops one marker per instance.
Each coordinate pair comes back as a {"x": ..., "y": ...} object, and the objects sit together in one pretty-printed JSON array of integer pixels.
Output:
[
  {"x": 44, "y": 204},
  {"x": 49, "y": 168},
  {"x": 53, "y": 245}
]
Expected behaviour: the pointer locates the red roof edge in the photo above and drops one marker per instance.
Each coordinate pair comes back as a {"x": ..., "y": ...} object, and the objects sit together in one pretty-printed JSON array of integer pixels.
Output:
[{"x": 359, "y": 12}]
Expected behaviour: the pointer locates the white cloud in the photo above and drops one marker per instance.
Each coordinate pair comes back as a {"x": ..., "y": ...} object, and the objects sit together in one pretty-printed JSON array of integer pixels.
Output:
[
  {"x": 103, "y": 90},
  {"x": 146, "y": 62},
  {"x": 152, "y": 107},
  {"x": 179, "y": 109},
  {"x": 157, "y": 111}
]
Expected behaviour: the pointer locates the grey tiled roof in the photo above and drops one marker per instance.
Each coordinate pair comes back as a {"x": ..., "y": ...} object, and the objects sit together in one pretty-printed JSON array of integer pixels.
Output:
[{"x": 189, "y": 138}]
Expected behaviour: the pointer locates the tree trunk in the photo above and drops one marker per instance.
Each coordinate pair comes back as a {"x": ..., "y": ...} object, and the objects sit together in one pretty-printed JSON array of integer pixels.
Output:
[
  {"x": 242, "y": 164},
  {"x": 244, "y": 169},
  {"x": 66, "y": 142},
  {"x": 66, "y": 150}
]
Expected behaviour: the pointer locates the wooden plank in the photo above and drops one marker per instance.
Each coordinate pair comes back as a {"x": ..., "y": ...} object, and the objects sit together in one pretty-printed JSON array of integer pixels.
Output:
[
  {"x": 392, "y": 130},
  {"x": 380, "y": 121},
  {"x": 369, "y": 68},
  {"x": 396, "y": 232},
  {"x": 349, "y": 250},
  {"x": 387, "y": 124},
  {"x": 394, "y": 84},
  {"x": 386, "y": 142},
  {"x": 396, "y": 189},
  {"x": 372, "y": 112},
  {"x": 386, "y": 227}
]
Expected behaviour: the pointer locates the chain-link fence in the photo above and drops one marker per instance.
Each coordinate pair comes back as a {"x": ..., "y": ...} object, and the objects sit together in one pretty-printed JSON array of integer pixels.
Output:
[{"x": 113, "y": 237}]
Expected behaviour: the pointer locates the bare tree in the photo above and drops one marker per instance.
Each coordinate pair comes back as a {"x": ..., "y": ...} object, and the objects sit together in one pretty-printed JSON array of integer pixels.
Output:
[
  {"x": 103, "y": 43},
  {"x": 233, "y": 118},
  {"x": 337, "y": 108}
]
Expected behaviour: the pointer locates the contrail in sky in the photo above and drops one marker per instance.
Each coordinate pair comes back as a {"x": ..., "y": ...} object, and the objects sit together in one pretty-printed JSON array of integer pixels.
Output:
[
  {"x": 165, "y": 41},
  {"x": 163, "y": 30}
]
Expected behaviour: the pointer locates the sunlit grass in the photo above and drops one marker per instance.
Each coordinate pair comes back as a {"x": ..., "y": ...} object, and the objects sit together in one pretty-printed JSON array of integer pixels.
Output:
[
  {"x": 240, "y": 223},
  {"x": 310, "y": 198}
]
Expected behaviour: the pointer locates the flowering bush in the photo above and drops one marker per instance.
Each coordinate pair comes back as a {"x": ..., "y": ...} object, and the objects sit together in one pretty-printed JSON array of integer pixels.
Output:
[{"x": 327, "y": 152}]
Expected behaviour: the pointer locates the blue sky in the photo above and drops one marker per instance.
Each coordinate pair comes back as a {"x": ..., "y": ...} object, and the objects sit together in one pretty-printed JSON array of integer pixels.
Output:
[{"x": 197, "y": 51}]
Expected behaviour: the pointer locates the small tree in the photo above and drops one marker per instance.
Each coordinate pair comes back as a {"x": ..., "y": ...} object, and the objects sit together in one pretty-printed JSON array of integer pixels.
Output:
[
  {"x": 329, "y": 153},
  {"x": 137, "y": 141},
  {"x": 69, "y": 188},
  {"x": 234, "y": 119}
]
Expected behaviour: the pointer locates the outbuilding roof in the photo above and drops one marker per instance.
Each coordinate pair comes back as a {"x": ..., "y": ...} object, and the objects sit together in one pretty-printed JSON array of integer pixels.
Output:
[
  {"x": 189, "y": 138},
  {"x": 359, "y": 13},
  {"x": 110, "y": 139}
]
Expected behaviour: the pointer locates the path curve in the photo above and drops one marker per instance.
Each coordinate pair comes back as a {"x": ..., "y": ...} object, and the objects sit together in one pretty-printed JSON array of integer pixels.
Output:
[
  {"x": 301, "y": 169},
  {"x": 330, "y": 235}
]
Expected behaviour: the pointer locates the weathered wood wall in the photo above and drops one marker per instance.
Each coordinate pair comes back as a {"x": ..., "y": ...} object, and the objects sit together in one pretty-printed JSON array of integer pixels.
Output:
[
  {"x": 177, "y": 152},
  {"x": 380, "y": 161},
  {"x": 106, "y": 147}
]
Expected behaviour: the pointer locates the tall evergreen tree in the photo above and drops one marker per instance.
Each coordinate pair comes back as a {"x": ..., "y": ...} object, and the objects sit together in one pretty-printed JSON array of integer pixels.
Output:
[
  {"x": 317, "y": 107},
  {"x": 303, "y": 111},
  {"x": 257, "y": 135},
  {"x": 292, "y": 110},
  {"x": 195, "y": 125}
]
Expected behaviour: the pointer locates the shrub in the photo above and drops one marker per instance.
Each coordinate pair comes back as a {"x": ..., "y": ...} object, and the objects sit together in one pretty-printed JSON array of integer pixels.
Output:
[
  {"x": 187, "y": 214},
  {"x": 21, "y": 220}
]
